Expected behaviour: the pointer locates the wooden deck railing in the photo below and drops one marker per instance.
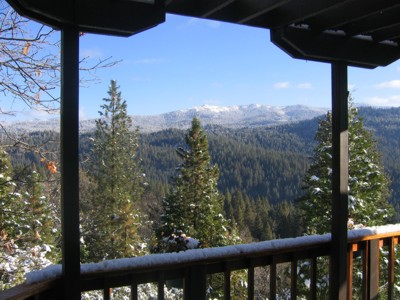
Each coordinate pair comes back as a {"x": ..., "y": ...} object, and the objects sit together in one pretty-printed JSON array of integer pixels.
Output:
[{"x": 283, "y": 258}]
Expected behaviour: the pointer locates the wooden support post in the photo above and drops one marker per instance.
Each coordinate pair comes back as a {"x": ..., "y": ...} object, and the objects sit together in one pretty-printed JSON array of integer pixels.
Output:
[
  {"x": 340, "y": 178},
  {"x": 69, "y": 134}
]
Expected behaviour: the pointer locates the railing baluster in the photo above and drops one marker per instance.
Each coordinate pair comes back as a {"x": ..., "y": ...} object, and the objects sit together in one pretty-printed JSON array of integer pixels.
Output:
[
  {"x": 227, "y": 285},
  {"x": 272, "y": 280},
  {"x": 365, "y": 267},
  {"x": 195, "y": 283},
  {"x": 373, "y": 276},
  {"x": 390, "y": 277},
  {"x": 250, "y": 282},
  {"x": 293, "y": 280},
  {"x": 160, "y": 286},
  {"x": 313, "y": 282},
  {"x": 350, "y": 267},
  {"x": 134, "y": 287},
  {"x": 107, "y": 293}
]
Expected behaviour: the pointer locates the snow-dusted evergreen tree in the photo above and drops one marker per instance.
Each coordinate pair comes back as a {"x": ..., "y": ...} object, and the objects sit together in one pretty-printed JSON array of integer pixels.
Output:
[
  {"x": 368, "y": 184},
  {"x": 194, "y": 206},
  {"x": 368, "y": 192},
  {"x": 38, "y": 216},
  {"x": 118, "y": 184},
  {"x": 27, "y": 236},
  {"x": 9, "y": 211}
]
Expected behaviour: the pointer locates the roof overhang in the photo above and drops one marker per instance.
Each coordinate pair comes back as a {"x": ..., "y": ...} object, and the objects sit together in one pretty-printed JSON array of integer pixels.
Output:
[
  {"x": 117, "y": 17},
  {"x": 363, "y": 33}
]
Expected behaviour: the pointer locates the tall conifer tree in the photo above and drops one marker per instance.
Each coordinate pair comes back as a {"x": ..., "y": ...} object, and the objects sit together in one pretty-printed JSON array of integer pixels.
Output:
[
  {"x": 194, "y": 206},
  {"x": 368, "y": 184},
  {"x": 115, "y": 169}
]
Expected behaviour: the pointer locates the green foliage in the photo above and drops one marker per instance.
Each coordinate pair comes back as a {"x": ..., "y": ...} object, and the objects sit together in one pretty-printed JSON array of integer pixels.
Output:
[
  {"x": 193, "y": 206},
  {"x": 28, "y": 233},
  {"x": 368, "y": 184},
  {"x": 113, "y": 230}
]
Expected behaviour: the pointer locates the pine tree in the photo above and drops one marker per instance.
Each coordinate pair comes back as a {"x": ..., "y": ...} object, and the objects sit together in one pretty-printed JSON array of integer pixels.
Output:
[
  {"x": 9, "y": 212},
  {"x": 368, "y": 184},
  {"x": 194, "y": 206},
  {"x": 38, "y": 215},
  {"x": 368, "y": 190},
  {"x": 118, "y": 183},
  {"x": 27, "y": 239}
]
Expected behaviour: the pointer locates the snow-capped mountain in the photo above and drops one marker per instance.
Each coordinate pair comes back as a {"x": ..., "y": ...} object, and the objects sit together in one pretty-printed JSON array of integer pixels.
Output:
[{"x": 254, "y": 115}]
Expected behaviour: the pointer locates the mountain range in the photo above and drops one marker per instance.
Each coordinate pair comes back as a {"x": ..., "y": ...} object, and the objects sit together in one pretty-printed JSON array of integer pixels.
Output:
[{"x": 254, "y": 115}]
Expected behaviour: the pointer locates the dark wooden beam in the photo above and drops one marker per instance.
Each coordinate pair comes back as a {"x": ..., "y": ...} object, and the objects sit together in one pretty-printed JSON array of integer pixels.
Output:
[
  {"x": 70, "y": 162},
  {"x": 122, "y": 18},
  {"x": 295, "y": 11},
  {"x": 330, "y": 47},
  {"x": 340, "y": 182},
  {"x": 379, "y": 21},
  {"x": 195, "y": 8},
  {"x": 243, "y": 11},
  {"x": 391, "y": 33},
  {"x": 348, "y": 13}
]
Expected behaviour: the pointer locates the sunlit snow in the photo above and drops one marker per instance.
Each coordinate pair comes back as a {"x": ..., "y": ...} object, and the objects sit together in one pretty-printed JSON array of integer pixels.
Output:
[{"x": 189, "y": 256}]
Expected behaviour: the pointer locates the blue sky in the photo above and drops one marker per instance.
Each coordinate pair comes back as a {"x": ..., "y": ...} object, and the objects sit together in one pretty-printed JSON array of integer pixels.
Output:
[{"x": 187, "y": 62}]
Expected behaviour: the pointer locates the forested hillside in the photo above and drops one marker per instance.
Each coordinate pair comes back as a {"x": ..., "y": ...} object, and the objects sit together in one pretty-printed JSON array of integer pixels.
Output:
[{"x": 262, "y": 163}]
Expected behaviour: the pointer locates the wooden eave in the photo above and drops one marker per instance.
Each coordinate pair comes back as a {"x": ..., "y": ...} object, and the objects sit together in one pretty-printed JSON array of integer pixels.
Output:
[{"x": 363, "y": 33}]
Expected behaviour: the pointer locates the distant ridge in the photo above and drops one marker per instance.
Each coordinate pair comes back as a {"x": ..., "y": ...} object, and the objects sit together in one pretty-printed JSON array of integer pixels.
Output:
[{"x": 254, "y": 115}]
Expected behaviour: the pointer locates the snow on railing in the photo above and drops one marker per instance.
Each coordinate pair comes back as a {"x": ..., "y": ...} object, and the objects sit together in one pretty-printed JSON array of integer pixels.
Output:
[{"x": 212, "y": 254}]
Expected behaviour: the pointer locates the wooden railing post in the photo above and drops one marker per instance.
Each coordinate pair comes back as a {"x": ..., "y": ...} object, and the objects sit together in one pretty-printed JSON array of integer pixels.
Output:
[
  {"x": 373, "y": 269},
  {"x": 195, "y": 283},
  {"x": 250, "y": 281},
  {"x": 293, "y": 280},
  {"x": 390, "y": 277}
]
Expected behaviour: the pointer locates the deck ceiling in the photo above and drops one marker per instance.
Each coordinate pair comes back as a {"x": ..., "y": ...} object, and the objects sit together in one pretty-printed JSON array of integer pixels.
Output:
[{"x": 363, "y": 33}]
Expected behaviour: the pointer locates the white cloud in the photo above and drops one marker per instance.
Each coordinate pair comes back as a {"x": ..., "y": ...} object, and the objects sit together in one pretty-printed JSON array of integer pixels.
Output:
[
  {"x": 382, "y": 101},
  {"x": 281, "y": 85},
  {"x": 305, "y": 85},
  {"x": 394, "y": 84}
]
